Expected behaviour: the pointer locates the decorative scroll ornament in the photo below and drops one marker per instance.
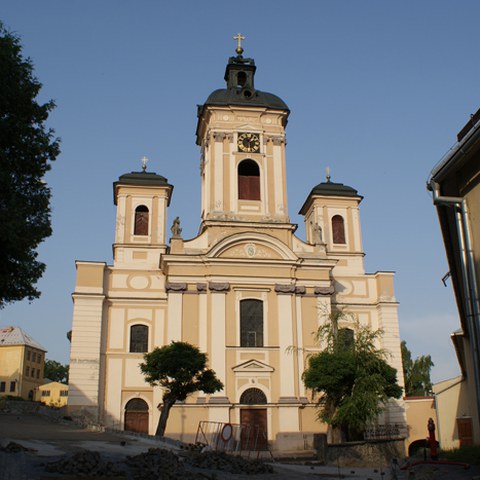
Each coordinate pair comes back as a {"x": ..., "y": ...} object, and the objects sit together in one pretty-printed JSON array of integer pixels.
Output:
[
  {"x": 219, "y": 287},
  {"x": 175, "y": 287},
  {"x": 280, "y": 288},
  {"x": 324, "y": 290}
]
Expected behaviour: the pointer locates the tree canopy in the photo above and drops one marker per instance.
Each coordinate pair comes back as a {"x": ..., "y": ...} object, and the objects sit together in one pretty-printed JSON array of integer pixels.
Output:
[
  {"x": 351, "y": 375},
  {"x": 416, "y": 373},
  {"x": 55, "y": 371},
  {"x": 181, "y": 369},
  {"x": 27, "y": 147}
]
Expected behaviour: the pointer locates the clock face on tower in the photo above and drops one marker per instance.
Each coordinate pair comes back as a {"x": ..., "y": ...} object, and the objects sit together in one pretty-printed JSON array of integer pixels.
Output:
[{"x": 248, "y": 142}]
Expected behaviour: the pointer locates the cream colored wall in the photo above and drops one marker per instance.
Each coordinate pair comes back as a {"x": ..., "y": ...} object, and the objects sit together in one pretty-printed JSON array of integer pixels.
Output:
[
  {"x": 451, "y": 402},
  {"x": 418, "y": 411}
]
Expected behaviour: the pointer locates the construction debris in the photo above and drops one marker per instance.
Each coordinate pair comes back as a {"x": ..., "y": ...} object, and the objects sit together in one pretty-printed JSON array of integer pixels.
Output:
[
  {"x": 85, "y": 463},
  {"x": 13, "y": 447}
]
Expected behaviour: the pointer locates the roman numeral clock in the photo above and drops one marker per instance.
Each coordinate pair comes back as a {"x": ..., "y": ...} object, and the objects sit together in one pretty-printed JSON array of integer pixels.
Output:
[{"x": 248, "y": 142}]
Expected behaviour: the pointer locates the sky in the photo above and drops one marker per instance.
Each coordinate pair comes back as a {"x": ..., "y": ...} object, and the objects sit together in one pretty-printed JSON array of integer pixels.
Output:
[{"x": 377, "y": 89}]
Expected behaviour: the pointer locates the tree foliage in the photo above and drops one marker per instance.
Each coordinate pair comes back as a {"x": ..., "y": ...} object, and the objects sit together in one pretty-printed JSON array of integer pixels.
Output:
[
  {"x": 27, "y": 147},
  {"x": 181, "y": 369},
  {"x": 350, "y": 374},
  {"x": 416, "y": 373},
  {"x": 55, "y": 371}
]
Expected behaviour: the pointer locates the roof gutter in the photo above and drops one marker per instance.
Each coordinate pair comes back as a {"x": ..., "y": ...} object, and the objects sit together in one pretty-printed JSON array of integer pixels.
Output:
[{"x": 467, "y": 264}]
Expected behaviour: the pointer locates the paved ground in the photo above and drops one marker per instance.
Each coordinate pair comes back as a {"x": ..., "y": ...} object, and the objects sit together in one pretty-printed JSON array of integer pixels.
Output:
[{"x": 51, "y": 441}]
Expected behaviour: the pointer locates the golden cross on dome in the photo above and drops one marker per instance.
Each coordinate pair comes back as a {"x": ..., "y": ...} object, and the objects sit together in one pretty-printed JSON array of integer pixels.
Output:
[{"x": 239, "y": 37}]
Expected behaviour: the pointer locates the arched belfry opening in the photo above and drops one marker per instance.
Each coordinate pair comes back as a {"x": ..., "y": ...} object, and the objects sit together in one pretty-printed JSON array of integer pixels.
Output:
[{"x": 248, "y": 180}]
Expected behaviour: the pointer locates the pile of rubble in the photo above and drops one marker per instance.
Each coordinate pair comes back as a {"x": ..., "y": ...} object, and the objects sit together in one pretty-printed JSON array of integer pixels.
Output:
[
  {"x": 85, "y": 463},
  {"x": 159, "y": 464},
  {"x": 13, "y": 447}
]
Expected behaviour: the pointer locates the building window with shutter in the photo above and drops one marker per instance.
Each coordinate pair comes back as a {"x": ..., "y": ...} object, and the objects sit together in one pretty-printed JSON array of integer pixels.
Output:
[
  {"x": 138, "y": 338},
  {"x": 248, "y": 180},
  {"x": 12, "y": 387},
  {"x": 141, "y": 220},
  {"x": 251, "y": 323},
  {"x": 2, "y": 386},
  {"x": 338, "y": 229}
]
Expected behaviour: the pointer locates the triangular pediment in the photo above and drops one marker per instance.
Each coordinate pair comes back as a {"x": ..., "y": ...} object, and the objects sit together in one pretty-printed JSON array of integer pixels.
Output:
[
  {"x": 253, "y": 366},
  {"x": 248, "y": 127}
]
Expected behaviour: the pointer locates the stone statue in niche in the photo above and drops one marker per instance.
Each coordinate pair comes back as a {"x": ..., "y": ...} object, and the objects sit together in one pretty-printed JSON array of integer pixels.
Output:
[
  {"x": 317, "y": 234},
  {"x": 175, "y": 228}
]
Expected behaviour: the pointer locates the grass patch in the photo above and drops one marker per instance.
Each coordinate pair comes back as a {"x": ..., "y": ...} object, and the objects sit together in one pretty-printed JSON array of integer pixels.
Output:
[{"x": 469, "y": 454}]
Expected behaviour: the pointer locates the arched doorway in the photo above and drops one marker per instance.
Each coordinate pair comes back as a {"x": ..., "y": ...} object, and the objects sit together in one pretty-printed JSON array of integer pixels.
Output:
[
  {"x": 254, "y": 420},
  {"x": 136, "y": 416}
]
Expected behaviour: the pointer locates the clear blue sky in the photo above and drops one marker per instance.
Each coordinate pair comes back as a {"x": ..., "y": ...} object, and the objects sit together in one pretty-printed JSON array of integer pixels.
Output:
[{"x": 377, "y": 89}]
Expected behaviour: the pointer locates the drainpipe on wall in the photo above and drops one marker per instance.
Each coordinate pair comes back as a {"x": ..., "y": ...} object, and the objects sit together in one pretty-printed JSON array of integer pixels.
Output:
[{"x": 467, "y": 263}]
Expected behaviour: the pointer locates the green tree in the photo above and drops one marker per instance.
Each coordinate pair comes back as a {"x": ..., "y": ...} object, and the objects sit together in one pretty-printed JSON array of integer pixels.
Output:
[
  {"x": 181, "y": 369},
  {"x": 351, "y": 376},
  {"x": 27, "y": 147},
  {"x": 55, "y": 371},
  {"x": 416, "y": 373}
]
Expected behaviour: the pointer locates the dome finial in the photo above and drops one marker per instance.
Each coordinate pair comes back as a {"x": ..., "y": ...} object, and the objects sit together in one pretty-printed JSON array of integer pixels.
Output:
[
  {"x": 239, "y": 37},
  {"x": 327, "y": 170},
  {"x": 144, "y": 163}
]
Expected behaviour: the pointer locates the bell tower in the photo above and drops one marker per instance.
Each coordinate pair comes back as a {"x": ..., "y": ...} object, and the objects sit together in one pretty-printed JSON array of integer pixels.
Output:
[
  {"x": 141, "y": 199},
  {"x": 241, "y": 132}
]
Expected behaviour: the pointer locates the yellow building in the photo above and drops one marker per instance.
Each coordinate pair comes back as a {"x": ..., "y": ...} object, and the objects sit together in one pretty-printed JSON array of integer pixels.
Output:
[
  {"x": 53, "y": 394},
  {"x": 22, "y": 361},
  {"x": 244, "y": 290},
  {"x": 455, "y": 185}
]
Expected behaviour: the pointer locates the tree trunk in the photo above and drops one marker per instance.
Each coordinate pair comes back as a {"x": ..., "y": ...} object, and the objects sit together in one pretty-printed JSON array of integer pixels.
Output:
[{"x": 164, "y": 412}]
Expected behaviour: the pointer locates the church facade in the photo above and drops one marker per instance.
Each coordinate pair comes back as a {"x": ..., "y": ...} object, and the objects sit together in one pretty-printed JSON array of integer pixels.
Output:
[{"x": 245, "y": 290}]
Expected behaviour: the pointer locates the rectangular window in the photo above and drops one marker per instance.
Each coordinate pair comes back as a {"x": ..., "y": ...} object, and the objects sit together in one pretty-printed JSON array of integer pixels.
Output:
[
  {"x": 64, "y": 393},
  {"x": 2, "y": 386},
  {"x": 12, "y": 386},
  {"x": 45, "y": 393},
  {"x": 27, "y": 371},
  {"x": 34, "y": 357},
  {"x": 33, "y": 373},
  {"x": 39, "y": 358},
  {"x": 28, "y": 354}
]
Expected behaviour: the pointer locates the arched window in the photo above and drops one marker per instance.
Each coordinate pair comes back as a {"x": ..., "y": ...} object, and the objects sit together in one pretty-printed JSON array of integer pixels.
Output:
[
  {"x": 346, "y": 338},
  {"x": 139, "y": 338},
  {"x": 338, "y": 229},
  {"x": 253, "y": 396},
  {"x": 251, "y": 323},
  {"x": 241, "y": 79},
  {"x": 248, "y": 180},
  {"x": 141, "y": 220}
]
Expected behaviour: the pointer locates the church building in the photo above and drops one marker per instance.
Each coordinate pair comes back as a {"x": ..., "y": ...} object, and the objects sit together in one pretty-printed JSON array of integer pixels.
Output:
[{"x": 244, "y": 291}]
